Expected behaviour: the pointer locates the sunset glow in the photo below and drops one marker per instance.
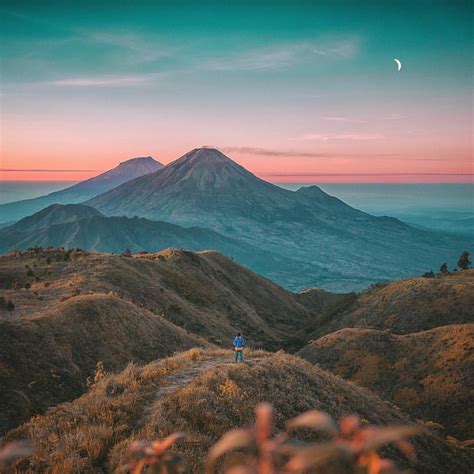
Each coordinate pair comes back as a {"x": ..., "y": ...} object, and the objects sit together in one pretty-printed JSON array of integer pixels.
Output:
[{"x": 322, "y": 102}]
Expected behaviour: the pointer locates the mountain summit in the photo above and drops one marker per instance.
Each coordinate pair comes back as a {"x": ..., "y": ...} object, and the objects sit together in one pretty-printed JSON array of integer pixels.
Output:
[
  {"x": 202, "y": 184},
  {"x": 82, "y": 191},
  {"x": 125, "y": 171}
]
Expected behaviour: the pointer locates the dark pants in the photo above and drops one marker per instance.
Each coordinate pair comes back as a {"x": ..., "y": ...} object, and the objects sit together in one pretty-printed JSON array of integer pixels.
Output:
[{"x": 239, "y": 354}]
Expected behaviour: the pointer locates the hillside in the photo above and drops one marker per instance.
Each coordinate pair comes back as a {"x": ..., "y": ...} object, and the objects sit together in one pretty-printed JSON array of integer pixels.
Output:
[
  {"x": 202, "y": 394},
  {"x": 45, "y": 360},
  {"x": 428, "y": 374},
  {"x": 405, "y": 306},
  {"x": 55, "y": 214},
  {"x": 333, "y": 245},
  {"x": 73, "y": 309},
  {"x": 206, "y": 292},
  {"x": 82, "y": 191},
  {"x": 80, "y": 226}
]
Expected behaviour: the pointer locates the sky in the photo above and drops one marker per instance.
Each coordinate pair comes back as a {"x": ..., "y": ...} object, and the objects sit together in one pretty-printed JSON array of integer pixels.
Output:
[{"x": 295, "y": 91}]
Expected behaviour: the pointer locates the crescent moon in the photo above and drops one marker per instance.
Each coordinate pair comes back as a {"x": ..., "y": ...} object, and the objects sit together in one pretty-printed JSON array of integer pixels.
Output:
[{"x": 399, "y": 64}]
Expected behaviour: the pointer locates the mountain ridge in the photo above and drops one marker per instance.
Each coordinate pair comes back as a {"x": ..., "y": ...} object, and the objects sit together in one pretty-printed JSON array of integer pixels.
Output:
[
  {"x": 425, "y": 373},
  {"x": 80, "y": 226}
]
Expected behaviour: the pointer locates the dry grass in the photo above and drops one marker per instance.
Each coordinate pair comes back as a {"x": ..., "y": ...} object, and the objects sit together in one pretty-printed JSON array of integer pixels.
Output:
[
  {"x": 46, "y": 360},
  {"x": 205, "y": 293},
  {"x": 79, "y": 435},
  {"x": 82, "y": 308},
  {"x": 428, "y": 373},
  {"x": 201, "y": 393},
  {"x": 404, "y": 306}
]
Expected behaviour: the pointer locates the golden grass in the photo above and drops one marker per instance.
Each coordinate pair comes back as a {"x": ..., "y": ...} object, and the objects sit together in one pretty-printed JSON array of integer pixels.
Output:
[
  {"x": 428, "y": 373},
  {"x": 202, "y": 393},
  {"x": 404, "y": 306}
]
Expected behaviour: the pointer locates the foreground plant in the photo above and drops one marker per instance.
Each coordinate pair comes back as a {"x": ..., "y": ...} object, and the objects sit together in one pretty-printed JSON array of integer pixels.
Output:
[
  {"x": 13, "y": 451},
  {"x": 345, "y": 448},
  {"x": 349, "y": 445},
  {"x": 155, "y": 457}
]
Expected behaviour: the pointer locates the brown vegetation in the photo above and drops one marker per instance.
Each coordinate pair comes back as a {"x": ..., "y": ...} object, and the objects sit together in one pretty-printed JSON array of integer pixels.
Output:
[
  {"x": 46, "y": 360},
  {"x": 428, "y": 373},
  {"x": 97, "y": 307},
  {"x": 205, "y": 293},
  {"x": 77, "y": 318},
  {"x": 201, "y": 393},
  {"x": 404, "y": 306}
]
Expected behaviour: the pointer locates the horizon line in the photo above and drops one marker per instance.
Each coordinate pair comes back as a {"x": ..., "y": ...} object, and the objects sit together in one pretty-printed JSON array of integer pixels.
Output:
[{"x": 260, "y": 173}]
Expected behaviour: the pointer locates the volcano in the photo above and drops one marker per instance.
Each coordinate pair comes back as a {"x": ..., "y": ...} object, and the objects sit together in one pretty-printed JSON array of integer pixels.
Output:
[
  {"x": 82, "y": 191},
  {"x": 206, "y": 184},
  {"x": 334, "y": 245}
]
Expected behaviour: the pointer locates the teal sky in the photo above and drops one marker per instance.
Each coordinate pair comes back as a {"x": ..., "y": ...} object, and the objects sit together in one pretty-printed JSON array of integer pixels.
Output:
[{"x": 288, "y": 89}]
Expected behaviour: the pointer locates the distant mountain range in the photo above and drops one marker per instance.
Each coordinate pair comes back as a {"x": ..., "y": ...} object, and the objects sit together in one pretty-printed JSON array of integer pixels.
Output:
[
  {"x": 302, "y": 238},
  {"x": 336, "y": 246},
  {"x": 80, "y": 226},
  {"x": 82, "y": 191}
]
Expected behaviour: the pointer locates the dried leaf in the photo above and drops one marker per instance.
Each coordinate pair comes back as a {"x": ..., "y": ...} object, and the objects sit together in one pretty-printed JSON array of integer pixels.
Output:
[
  {"x": 263, "y": 422},
  {"x": 381, "y": 436},
  {"x": 234, "y": 439},
  {"x": 13, "y": 451},
  {"x": 240, "y": 470},
  {"x": 316, "y": 455},
  {"x": 161, "y": 446},
  {"x": 349, "y": 425},
  {"x": 315, "y": 420},
  {"x": 407, "y": 449}
]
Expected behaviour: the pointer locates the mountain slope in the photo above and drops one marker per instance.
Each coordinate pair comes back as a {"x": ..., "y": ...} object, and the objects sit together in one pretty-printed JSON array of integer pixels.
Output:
[
  {"x": 202, "y": 394},
  {"x": 51, "y": 215},
  {"x": 402, "y": 307},
  {"x": 80, "y": 226},
  {"x": 45, "y": 360},
  {"x": 82, "y": 191},
  {"x": 206, "y": 183},
  {"x": 335, "y": 245},
  {"x": 427, "y": 374},
  {"x": 206, "y": 293},
  {"x": 73, "y": 309}
]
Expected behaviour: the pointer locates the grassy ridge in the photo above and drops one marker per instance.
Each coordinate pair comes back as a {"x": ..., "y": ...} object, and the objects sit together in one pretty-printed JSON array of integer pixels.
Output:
[{"x": 201, "y": 393}]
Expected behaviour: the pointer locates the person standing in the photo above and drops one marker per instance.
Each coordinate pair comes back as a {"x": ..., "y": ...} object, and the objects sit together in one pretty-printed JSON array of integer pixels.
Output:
[{"x": 239, "y": 344}]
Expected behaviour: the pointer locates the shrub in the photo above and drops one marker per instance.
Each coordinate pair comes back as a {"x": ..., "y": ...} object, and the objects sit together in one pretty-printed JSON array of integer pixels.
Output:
[
  {"x": 99, "y": 374},
  {"x": 29, "y": 272},
  {"x": 10, "y": 305},
  {"x": 464, "y": 263}
]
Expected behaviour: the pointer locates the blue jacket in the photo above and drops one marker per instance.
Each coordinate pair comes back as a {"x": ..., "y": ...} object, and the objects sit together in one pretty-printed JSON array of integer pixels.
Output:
[{"x": 239, "y": 341}]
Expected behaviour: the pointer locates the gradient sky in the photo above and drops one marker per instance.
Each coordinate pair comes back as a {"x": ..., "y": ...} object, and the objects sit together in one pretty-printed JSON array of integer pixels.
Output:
[{"x": 294, "y": 91}]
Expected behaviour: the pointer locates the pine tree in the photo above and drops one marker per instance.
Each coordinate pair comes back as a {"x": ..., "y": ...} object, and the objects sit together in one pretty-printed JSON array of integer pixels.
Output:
[{"x": 444, "y": 268}]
